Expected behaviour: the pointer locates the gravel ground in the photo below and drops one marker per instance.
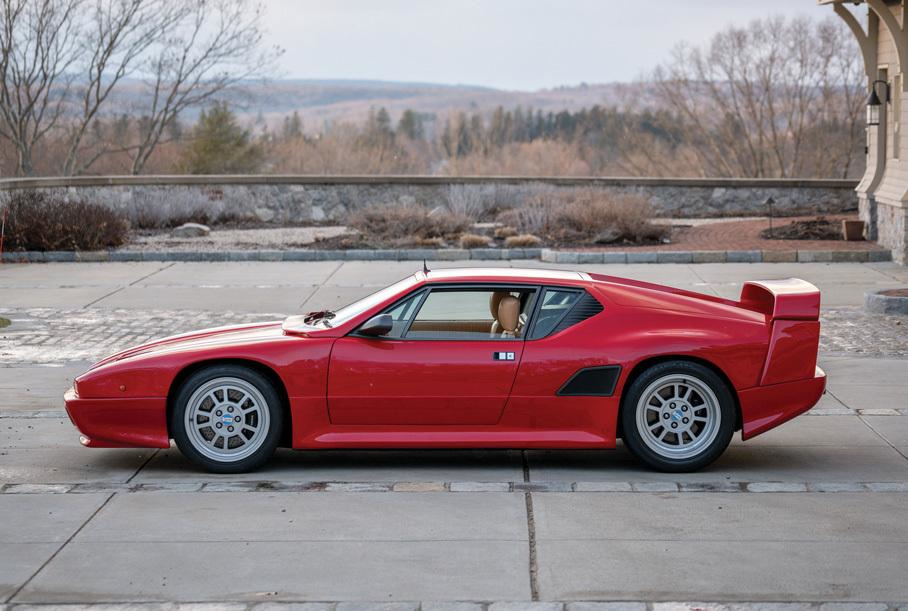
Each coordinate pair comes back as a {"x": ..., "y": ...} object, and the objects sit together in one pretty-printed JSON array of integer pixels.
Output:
[{"x": 276, "y": 238}]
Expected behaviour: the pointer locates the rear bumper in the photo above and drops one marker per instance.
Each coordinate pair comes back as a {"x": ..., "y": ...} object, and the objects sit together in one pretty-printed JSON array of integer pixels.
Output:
[
  {"x": 119, "y": 423},
  {"x": 766, "y": 407}
]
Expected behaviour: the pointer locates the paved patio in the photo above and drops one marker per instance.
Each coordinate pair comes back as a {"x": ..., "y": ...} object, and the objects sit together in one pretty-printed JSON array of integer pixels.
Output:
[{"x": 813, "y": 512}]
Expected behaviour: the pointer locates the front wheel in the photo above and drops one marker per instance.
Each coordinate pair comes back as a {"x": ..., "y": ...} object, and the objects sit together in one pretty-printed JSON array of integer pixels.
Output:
[
  {"x": 227, "y": 419},
  {"x": 678, "y": 416}
]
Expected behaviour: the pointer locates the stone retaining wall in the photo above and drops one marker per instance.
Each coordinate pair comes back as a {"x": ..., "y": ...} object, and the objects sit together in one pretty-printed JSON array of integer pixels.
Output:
[{"x": 328, "y": 198}]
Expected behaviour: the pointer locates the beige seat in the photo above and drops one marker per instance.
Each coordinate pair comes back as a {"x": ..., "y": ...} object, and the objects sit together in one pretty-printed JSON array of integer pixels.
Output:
[
  {"x": 494, "y": 301},
  {"x": 509, "y": 316}
]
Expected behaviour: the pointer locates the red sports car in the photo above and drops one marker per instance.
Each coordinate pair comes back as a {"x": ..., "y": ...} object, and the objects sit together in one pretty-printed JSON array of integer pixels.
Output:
[{"x": 473, "y": 358}]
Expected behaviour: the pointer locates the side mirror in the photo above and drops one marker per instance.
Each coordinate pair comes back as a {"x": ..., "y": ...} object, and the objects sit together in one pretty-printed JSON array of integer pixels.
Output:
[{"x": 377, "y": 325}]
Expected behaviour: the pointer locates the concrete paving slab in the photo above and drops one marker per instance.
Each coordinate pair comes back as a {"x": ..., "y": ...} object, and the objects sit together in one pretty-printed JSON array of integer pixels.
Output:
[
  {"x": 69, "y": 465},
  {"x": 19, "y": 561},
  {"x": 836, "y": 431},
  {"x": 843, "y": 371},
  {"x": 90, "y": 571},
  {"x": 57, "y": 275},
  {"x": 739, "y": 463},
  {"x": 893, "y": 428},
  {"x": 380, "y": 274},
  {"x": 667, "y": 273},
  {"x": 812, "y": 272},
  {"x": 356, "y": 466},
  {"x": 251, "y": 274},
  {"x": 719, "y": 516},
  {"x": 237, "y": 299},
  {"x": 891, "y": 270},
  {"x": 342, "y": 516},
  {"x": 333, "y": 297},
  {"x": 37, "y": 433},
  {"x": 63, "y": 298},
  {"x": 36, "y": 387},
  {"x": 45, "y": 518},
  {"x": 725, "y": 570},
  {"x": 871, "y": 396}
]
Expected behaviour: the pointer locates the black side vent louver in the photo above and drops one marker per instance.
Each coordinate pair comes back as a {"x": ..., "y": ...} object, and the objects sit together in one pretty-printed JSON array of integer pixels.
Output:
[{"x": 585, "y": 307}]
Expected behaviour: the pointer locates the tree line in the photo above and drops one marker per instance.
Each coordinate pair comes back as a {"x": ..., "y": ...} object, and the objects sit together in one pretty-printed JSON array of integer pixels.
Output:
[{"x": 775, "y": 98}]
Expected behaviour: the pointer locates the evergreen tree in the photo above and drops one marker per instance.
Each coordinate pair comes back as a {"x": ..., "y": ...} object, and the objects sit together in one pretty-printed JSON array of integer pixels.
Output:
[
  {"x": 411, "y": 125},
  {"x": 219, "y": 145}
]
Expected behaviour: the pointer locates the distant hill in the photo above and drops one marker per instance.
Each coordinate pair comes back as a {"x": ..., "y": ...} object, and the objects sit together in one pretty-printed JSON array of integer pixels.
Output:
[{"x": 323, "y": 102}]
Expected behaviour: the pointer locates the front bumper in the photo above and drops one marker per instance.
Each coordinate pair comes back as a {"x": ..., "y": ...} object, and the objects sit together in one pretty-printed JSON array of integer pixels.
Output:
[
  {"x": 119, "y": 423},
  {"x": 766, "y": 407}
]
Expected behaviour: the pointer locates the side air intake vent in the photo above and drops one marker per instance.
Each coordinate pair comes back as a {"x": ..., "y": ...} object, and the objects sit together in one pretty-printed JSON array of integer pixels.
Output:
[
  {"x": 586, "y": 307},
  {"x": 592, "y": 382}
]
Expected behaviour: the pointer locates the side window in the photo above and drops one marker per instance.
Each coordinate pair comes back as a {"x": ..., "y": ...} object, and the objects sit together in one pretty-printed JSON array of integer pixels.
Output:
[
  {"x": 402, "y": 313},
  {"x": 472, "y": 314},
  {"x": 556, "y": 303}
]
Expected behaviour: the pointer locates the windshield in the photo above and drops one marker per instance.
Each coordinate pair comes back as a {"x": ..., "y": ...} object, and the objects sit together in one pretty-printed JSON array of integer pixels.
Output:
[{"x": 358, "y": 307}]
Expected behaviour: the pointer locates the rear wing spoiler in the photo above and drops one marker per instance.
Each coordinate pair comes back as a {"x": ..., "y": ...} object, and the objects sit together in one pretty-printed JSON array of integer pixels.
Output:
[{"x": 789, "y": 299}]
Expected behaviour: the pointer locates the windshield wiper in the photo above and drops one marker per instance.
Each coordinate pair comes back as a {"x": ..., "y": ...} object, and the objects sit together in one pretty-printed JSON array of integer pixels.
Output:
[{"x": 313, "y": 317}]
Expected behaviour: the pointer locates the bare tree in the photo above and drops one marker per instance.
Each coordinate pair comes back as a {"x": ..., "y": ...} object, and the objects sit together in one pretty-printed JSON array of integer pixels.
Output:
[
  {"x": 216, "y": 44},
  {"x": 765, "y": 100},
  {"x": 62, "y": 61},
  {"x": 39, "y": 45},
  {"x": 118, "y": 33}
]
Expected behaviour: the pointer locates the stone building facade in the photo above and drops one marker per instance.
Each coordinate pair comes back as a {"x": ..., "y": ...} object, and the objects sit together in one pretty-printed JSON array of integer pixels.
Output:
[{"x": 879, "y": 27}]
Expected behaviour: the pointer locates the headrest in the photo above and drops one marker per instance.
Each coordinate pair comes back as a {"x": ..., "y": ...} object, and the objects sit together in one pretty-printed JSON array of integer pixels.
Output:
[
  {"x": 495, "y": 299},
  {"x": 509, "y": 313}
]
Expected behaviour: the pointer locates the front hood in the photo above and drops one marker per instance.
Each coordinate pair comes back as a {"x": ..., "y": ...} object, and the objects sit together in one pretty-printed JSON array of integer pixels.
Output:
[{"x": 217, "y": 336}]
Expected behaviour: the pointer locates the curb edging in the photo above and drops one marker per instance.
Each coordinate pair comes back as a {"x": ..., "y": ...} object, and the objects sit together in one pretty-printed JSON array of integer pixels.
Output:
[{"x": 546, "y": 255}]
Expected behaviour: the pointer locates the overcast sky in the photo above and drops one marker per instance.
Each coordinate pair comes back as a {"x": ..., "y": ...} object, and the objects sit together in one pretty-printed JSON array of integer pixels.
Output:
[{"x": 510, "y": 44}]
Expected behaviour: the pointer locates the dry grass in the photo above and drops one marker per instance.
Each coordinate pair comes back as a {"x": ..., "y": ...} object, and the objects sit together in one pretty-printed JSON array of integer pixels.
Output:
[
  {"x": 586, "y": 217},
  {"x": 505, "y": 232},
  {"x": 39, "y": 222},
  {"x": 471, "y": 240},
  {"x": 401, "y": 224},
  {"x": 526, "y": 240}
]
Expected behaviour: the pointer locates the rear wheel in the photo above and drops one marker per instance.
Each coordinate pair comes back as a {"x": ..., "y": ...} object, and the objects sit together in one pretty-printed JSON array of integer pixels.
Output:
[
  {"x": 227, "y": 419},
  {"x": 678, "y": 416}
]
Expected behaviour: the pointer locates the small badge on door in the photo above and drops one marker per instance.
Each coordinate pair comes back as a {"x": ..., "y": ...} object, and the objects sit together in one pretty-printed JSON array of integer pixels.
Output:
[{"x": 502, "y": 356}]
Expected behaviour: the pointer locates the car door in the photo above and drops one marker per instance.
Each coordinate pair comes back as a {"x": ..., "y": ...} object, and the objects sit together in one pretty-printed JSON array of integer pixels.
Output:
[{"x": 449, "y": 360}]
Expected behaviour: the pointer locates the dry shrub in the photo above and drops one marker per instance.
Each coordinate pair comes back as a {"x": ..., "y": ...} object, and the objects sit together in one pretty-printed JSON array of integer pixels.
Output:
[
  {"x": 505, "y": 232},
  {"x": 472, "y": 240},
  {"x": 39, "y": 222},
  {"x": 525, "y": 240},
  {"x": 587, "y": 217},
  {"x": 399, "y": 224}
]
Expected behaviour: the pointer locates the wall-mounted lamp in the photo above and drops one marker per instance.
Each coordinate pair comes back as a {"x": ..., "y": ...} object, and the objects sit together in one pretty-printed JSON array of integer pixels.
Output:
[{"x": 874, "y": 104}]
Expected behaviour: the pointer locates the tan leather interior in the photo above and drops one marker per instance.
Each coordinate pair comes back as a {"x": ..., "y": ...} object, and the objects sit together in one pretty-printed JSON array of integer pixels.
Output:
[
  {"x": 509, "y": 315},
  {"x": 494, "y": 300},
  {"x": 461, "y": 326}
]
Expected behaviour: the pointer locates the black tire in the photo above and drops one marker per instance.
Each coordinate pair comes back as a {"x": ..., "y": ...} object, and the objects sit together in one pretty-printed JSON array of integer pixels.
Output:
[
  {"x": 717, "y": 436},
  {"x": 266, "y": 443}
]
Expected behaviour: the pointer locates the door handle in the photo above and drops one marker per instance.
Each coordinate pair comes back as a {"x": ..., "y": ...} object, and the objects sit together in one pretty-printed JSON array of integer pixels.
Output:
[{"x": 502, "y": 356}]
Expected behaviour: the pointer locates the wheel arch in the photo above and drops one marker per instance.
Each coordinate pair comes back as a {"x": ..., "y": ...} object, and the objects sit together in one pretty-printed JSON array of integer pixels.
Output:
[
  {"x": 645, "y": 364},
  {"x": 270, "y": 374}
]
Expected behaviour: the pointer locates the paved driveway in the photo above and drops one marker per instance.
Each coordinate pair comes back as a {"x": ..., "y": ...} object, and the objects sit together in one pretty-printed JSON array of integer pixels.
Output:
[{"x": 812, "y": 512}]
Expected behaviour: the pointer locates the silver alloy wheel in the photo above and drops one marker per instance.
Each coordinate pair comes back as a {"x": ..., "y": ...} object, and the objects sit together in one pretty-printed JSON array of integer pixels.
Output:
[
  {"x": 678, "y": 416},
  {"x": 227, "y": 419}
]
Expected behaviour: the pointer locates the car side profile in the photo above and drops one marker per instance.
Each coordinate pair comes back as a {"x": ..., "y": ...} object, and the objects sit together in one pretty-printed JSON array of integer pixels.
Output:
[{"x": 473, "y": 358}]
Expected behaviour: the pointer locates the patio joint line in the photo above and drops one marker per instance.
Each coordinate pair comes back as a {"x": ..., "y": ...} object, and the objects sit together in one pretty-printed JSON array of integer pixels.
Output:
[
  {"x": 323, "y": 283},
  {"x": 59, "y": 549},
  {"x": 531, "y": 540},
  {"x": 883, "y": 437},
  {"x": 149, "y": 275}
]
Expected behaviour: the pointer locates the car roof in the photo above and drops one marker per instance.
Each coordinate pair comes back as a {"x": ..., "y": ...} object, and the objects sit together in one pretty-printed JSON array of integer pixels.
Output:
[{"x": 487, "y": 274}]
